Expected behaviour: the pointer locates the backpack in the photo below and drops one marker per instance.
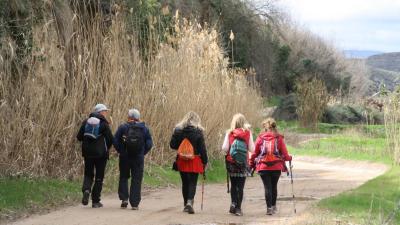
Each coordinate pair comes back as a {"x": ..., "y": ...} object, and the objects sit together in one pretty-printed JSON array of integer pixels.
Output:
[
  {"x": 133, "y": 140},
  {"x": 92, "y": 128},
  {"x": 270, "y": 153},
  {"x": 186, "y": 150},
  {"x": 93, "y": 145},
  {"x": 238, "y": 151}
]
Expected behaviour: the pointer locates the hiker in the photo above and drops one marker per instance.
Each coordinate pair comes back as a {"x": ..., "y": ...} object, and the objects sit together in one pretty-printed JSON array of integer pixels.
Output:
[
  {"x": 188, "y": 140},
  {"x": 268, "y": 160},
  {"x": 132, "y": 141},
  {"x": 237, "y": 144},
  {"x": 96, "y": 137}
]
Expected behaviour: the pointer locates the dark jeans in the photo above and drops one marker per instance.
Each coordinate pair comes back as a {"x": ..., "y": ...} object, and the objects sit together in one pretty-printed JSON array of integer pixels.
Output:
[
  {"x": 237, "y": 186},
  {"x": 94, "y": 166},
  {"x": 189, "y": 183},
  {"x": 270, "y": 179},
  {"x": 128, "y": 168}
]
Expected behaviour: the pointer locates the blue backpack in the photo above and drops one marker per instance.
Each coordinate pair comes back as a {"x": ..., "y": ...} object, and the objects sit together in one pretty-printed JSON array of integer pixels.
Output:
[
  {"x": 92, "y": 128},
  {"x": 238, "y": 151}
]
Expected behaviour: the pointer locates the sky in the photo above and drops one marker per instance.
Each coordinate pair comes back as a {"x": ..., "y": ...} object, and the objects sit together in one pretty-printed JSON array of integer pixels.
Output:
[{"x": 351, "y": 24}]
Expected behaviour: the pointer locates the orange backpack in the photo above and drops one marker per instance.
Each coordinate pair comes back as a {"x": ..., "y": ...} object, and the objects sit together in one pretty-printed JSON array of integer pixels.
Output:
[{"x": 186, "y": 150}]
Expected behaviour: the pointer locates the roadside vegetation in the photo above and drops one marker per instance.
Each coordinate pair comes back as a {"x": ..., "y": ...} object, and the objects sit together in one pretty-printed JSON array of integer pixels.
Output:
[{"x": 376, "y": 201}]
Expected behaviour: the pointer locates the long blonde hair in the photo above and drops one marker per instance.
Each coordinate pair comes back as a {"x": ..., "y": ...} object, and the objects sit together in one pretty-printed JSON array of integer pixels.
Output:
[
  {"x": 190, "y": 119},
  {"x": 269, "y": 124},
  {"x": 239, "y": 121}
]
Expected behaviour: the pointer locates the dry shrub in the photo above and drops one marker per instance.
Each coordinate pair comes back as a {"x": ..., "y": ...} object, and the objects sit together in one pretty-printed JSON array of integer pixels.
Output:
[
  {"x": 42, "y": 111},
  {"x": 312, "y": 99},
  {"x": 392, "y": 125}
]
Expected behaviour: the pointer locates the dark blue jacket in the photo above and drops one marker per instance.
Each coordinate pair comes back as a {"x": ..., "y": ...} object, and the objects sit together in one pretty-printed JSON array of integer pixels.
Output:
[{"x": 122, "y": 129}]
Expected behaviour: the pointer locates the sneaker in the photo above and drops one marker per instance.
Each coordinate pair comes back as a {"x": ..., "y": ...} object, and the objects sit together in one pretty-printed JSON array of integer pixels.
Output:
[
  {"x": 185, "y": 209},
  {"x": 189, "y": 207},
  {"x": 270, "y": 211},
  {"x": 97, "y": 205},
  {"x": 232, "y": 208},
  {"x": 274, "y": 209},
  {"x": 85, "y": 198},
  {"x": 238, "y": 212},
  {"x": 135, "y": 208},
  {"x": 124, "y": 204}
]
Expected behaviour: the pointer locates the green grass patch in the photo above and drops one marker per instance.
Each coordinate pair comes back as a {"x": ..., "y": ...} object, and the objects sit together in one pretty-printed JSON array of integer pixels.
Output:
[
  {"x": 347, "y": 146},
  {"x": 273, "y": 101},
  {"x": 327, "y": 128},
  {"x": 373, "y": 202},
  {"x": 25, "y": 194}
]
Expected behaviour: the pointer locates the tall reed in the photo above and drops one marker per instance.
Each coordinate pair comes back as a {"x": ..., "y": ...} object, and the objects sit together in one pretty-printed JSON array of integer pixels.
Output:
[
  {"x": 392, "y": 124},
  {"x": 42, "y": 111}
]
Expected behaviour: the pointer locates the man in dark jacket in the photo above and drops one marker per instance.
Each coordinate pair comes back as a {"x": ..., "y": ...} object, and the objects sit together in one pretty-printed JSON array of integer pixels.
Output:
[
  {"x": 96, "y": 137},
  {"x": 132, "y": 141}
]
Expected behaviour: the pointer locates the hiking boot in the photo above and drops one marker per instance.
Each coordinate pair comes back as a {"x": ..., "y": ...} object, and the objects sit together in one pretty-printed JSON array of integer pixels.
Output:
[
  {"x": 238, "y": 212},
  {"x": 124, "y": 204},
  {"x": 135, "y": 207},
  {"x": 85, "y": 198},
  {"x": 232, "y": 208},
  {"x": 274, "y": 209},
  {"x": 189, "y": 207},
  {"x": 97, "y": 205},
  {"x": 270, "y": 211}
]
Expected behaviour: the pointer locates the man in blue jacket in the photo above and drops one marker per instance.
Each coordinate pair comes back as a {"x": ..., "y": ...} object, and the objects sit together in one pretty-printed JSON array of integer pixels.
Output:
[{"x": 132, "y": 141}]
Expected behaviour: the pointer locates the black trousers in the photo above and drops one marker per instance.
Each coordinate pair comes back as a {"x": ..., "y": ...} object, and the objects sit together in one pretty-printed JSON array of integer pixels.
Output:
[
  {"x": 237, "y": 186},
  {"x": 94, "y": 168},
  {"x": 270, "y": 180},
  {"x": 128, "y": 168},
  {"x": 189, "y": 183}
]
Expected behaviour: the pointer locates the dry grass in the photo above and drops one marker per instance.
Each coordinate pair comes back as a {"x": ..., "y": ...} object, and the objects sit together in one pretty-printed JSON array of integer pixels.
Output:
[
  {"x": 312, "y": 99},
  {"x": 42, "y": 110},
  {"x": 392, "y": 125}
]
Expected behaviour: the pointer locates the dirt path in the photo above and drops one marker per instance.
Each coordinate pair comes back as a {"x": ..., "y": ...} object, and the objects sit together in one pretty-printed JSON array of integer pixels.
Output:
[{"x": 315, "y": 178}]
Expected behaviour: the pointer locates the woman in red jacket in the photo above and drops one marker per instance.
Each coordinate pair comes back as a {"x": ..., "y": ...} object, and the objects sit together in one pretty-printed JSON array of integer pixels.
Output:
[
  {"x": 240, "y": 129},
  {"x": 190, "y": 129},
  {"x": 269, "y": 160}
]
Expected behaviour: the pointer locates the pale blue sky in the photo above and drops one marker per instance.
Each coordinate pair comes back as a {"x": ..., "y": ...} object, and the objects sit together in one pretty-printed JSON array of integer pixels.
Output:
[{"x": 351, "y": 24}]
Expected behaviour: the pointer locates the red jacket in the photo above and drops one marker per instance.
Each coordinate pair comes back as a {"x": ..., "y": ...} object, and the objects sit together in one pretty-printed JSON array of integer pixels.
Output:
[
  {"x": 269, "y": 136},
  {"x": 237, "y": 133}
]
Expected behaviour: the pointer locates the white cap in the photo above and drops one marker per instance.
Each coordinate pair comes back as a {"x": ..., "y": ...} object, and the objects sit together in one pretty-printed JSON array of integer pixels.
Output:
[
  {"x": 100, "y": 107},
  {"x": 134, "y": 114}
]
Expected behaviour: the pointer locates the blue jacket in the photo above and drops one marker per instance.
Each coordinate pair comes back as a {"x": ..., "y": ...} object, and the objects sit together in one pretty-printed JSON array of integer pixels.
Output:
[{"x": 122, "y": 129}]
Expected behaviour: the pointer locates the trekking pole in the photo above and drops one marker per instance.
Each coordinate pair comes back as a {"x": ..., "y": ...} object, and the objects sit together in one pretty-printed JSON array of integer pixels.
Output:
[
  {"x": 291, "y": 181},
  {"x": 202, "y": 189},
  {"x": 227, "y": 181}
]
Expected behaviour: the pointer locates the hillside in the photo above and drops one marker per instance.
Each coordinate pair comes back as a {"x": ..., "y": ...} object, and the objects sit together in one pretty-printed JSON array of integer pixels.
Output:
[
  {"x": 386, "y": 61},
  {"x": 384, "y": 69}
]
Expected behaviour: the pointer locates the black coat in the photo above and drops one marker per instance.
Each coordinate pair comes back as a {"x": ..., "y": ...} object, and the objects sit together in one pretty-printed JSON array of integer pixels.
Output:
[
  {"x": 102, "y": 145},
  {"x": 196, "y": 138}
]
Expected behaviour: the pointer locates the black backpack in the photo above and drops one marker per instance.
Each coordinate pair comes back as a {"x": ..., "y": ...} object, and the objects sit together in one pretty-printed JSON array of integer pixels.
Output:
[{"x": 133, "y": 140}]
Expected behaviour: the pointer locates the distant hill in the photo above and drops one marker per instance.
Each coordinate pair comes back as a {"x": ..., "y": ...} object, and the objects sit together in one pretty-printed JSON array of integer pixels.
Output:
[
  {"x": 360, "y": 54},
  {"x": 384, "y": 69},
  {"x": 386, "y": 61}
]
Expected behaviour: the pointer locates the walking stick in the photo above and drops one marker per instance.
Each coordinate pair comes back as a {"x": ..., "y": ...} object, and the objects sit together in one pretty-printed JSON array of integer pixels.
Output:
[
  {"x": 227, "y": 181},
  {"x": 291, "y": 181},
  {"x": 202, "y": 189}
]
